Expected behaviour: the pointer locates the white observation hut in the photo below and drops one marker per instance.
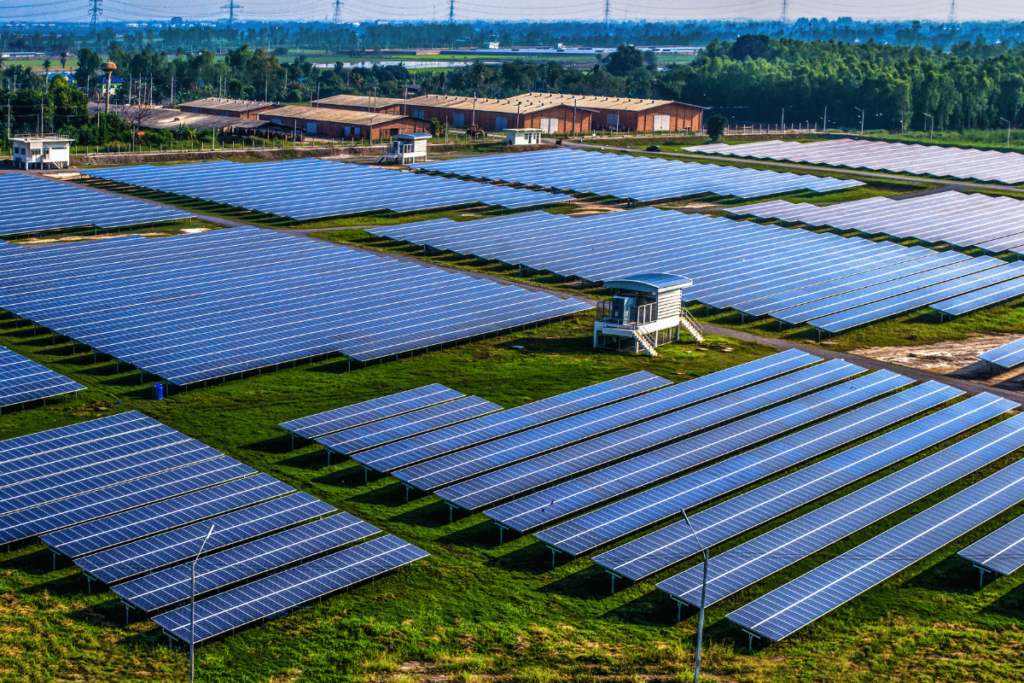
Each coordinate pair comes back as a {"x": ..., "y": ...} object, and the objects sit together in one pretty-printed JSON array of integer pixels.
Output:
[{"x": 645, "y": 311}]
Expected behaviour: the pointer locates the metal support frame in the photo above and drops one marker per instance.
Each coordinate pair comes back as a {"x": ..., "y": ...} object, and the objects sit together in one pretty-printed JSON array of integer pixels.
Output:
[
  {"x": 554, "y": 555},
  {"x": 750, "y": 639},
  {"x": 982, "y": 571}
]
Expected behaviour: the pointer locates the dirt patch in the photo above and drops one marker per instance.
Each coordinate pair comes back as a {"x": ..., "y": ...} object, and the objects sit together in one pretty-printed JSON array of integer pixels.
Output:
[{"x": 953, "y": 358}]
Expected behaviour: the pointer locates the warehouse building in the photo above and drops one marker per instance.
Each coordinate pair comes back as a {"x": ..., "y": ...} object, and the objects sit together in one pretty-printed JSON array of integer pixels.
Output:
[
  {"x": 498, "y": 115},
  {"x": 340, "y": 123},
  {"x": 627, "y": 114},
  {"x": 220, "y": 106},
  {"x": 381, "y": 105}
]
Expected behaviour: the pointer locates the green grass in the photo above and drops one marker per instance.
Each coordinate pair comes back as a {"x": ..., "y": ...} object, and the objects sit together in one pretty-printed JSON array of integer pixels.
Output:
[{"x": 473, "y": 610}]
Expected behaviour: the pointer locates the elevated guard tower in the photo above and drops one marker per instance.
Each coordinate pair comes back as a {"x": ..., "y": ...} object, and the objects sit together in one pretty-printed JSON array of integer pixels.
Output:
[{"x": 645, "y": 312}]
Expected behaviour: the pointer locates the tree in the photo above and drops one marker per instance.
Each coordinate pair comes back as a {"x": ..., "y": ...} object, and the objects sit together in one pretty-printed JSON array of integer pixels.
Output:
[
  {"x": 627, "y": 58},
  {"x": 716, "y": 127}
]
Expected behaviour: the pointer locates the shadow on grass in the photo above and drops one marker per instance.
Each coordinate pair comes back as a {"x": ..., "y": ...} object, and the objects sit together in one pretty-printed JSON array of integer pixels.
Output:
[
  {"x": 590, "y": 583},
  {"x": 1009, "y": 605},
  {"x": 534, "y": 558},
  {"x": 283, "y": 444},
  {"x": 654, "y": 608},
  {"x": 389, "y": 495},
  {"x": 36, "y": 563},
  {"x": 483, "y": 535},
  {"x": 952, "y": 575},
  {"x": 430, "y": 516}
]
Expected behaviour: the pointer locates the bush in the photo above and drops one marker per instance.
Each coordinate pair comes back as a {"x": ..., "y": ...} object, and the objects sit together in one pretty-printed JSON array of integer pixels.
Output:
[{"x": 716, "y": 127}]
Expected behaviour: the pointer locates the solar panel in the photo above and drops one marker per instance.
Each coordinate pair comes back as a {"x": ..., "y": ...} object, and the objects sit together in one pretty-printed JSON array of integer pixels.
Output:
[
  {"x": 576, "y": 495},
  {"x": 330, "y": 188},
  {"x": 216, "y": 571},
  {"x": 980, "y": 298},
  {"x": 517, "y": 479},
  {"x": 170, "y": 547},
  {"x": 656, "y": 551},
  {"x": 179, "y": 309},
  {"x": 804, "y": 600},
  {"x": 375, "y": 409},
  {"x": 33, "y": 204},
  {"x": 118, "y": 498},
  {"x": 745, "y": 511},
  {"x": 1006, "y": 356},
  {"x": 775, "y": 550},
  {"x": 281, "y": 592},
  {"x": 23, "y": 380},
  {"x": 449, "y": 469},
  {"x": 82, "y": 435},
  {"x": 629, "y": 177},
  {"x": 128, "y": 526},
  {"x": 449, "y": 439},
  {"x": 1000, "y": 551},
  {"x": 410, "y": 424}
]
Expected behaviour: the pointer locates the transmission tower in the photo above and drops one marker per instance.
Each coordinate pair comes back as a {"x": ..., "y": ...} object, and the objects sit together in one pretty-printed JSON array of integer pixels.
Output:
[
  {"x": 451, "y": 11},
  {"x": 785, "y": 12},
  {"x": 337, "y": 11},
  {"x": 231, "y": 7},
  {"x": 952, "y": 12},
  {"x": 95, "y": 10},
  {"x": 607, "y": 15}
]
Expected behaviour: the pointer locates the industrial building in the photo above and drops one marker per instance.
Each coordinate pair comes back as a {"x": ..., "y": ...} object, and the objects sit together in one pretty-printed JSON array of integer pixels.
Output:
[
  {"x": 340, "y": 123},
  {"x": 41, "y": 151},
  {"x": 381, "y": 105},
  {"x": 220, "y": 106},
  {"x": 627, "y": 113},
  {"x": 498, "y": 115}
]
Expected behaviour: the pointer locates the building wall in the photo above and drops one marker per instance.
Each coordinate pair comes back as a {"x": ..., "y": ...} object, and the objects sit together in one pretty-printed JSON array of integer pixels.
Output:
[
  {"x": 386, "y": 109},
  {"x": 680, "y": 117},
  {"x": 252, "y": 114},
  {"x": 347, "y": 131},
  {"x": 490, "y": 120}
]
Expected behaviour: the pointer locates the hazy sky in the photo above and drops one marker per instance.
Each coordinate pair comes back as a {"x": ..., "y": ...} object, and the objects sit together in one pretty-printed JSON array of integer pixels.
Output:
[{"x": 540, "y": 10}]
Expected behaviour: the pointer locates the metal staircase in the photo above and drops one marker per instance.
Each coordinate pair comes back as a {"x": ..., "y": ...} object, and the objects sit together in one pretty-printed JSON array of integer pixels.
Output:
[
  {"x": 645, "y": 343},
  {"x": 691, "y": 325}
]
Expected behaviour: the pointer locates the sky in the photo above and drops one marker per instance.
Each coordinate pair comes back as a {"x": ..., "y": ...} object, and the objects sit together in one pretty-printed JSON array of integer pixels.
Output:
[{"x": 536, "y": 10}]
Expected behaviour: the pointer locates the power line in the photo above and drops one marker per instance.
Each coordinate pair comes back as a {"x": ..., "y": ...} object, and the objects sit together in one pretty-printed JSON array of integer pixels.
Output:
[{"x": 231, "y": 7}]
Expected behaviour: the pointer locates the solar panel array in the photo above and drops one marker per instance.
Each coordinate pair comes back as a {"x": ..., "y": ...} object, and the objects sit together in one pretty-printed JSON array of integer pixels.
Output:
[
  {"x": 375, "y": 409},
  {"x": 32, "y": 204},
  {"x": 1001, "y": 551},
  {"x": 196, "y": 307},
  {"x": 832, "y": 282},
  {"x": 807, "y": 598},
  {"x": 1006, "y": 356},
  {"x": 897, "y": 157},
  {"x": 306, "y": 189},
  {"x": 994, "y": 224},
  {"x": 105, "y": 494},
  {"x": 23, "y": 380},
  {"x": 636, "y": 178},
  {"x": 759, "y": 558}
]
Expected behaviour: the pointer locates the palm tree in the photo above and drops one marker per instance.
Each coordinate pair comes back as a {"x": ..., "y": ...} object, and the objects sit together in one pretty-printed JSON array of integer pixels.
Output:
[{"x": 46, "y": 67}]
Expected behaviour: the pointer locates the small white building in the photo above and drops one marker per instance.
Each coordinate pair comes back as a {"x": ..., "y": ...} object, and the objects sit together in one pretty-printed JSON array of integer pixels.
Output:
[
  {"x": 41, "y": 151},
  {"x": 522, "y": 136},
  {"x": 408, "y": 148},
  {"x": 645, "y": 311}
]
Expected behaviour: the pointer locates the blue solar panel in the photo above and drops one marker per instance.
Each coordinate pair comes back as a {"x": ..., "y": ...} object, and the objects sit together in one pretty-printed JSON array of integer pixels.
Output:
[
  {"x": 1002, "y": 551},
  {"x": 514, "y": 480},
  {"x": 476, "y": 460},
  {"x": 163, "y": 588},
  {"x": 1006, "y": 356},
  {"x": 804, "y": 600},
  {"x": 980, "y": 298},
  {"x": 33, "y": 204},
  {"x": 170, "y": 547},
  {"x": 739, "y": 514},
  {"x": 375, "y": 409},
  {"x": 179, "y": 309},
  {"x": 775, "y": 550},
  {"x": 286, "y": 590},
  {"x": 423, "y": 447},
  {"x": 402, "y": 426},
  {"x": 576, "y": 495},
  {"x": 650, "y": 554},
  {"x": 83, "y": 435},
  {"x": 23, "y": 380},
  {"x": 114, "y": 499},
  {"x": 330, "y": 188},
  {"x": 128, "y": 526}
]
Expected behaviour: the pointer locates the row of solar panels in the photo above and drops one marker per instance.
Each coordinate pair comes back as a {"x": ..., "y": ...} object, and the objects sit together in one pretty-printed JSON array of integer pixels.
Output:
[
  {"x": 131, "y": 501},
  {"x": 23, "y": 380},
  {"x": 1006, "y": 356},
  {"x": 639, "y": 179},
  {"x": 306, "y": 189},
  {"x": 933, "y": 160},
  {"x": 32, "y": 204},
  {"x": 994, "y": 224},
  {"x": 833, "y": 283},
  {"x": 652, "y": 450},
  {"x": 197, "y": 307}
]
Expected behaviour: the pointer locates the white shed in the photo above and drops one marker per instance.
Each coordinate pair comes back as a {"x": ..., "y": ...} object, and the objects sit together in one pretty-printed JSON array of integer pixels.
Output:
[
  {"x": 41, "y": 151},
  {"x": 522, "y": 136},
  {"x": 645, "y": 311},
  {"x": 408, "y": 148}
]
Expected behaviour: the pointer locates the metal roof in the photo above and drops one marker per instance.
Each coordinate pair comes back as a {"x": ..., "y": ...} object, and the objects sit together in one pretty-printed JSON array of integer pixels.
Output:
[
  {"x": 225, "y": 104},
  {"x": 657, "y": 281},
  {"x": 413, "y": 136},
  {"x": 361, "y": 101},
  {"x": 520, "y": 105},
  {"x": 356, "y": 118},
  {"x": 596, "y": 102}
]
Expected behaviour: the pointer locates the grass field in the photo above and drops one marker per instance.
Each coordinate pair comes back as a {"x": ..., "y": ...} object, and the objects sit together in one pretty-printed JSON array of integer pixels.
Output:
[{"x": 474, "y": 611}]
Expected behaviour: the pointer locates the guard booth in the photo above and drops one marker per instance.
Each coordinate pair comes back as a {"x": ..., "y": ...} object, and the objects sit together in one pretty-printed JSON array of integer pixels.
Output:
[
  {"x": 522, "y": 136},
  {"x": 645, "y": 312},
  {"x": 407, "y": 148}
]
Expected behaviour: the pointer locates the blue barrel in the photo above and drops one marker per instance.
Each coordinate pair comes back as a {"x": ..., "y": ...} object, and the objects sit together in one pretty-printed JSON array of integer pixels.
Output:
[{"x": 158, "y": 392}]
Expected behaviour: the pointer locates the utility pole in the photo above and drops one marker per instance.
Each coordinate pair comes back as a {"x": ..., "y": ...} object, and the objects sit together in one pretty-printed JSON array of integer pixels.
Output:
[
  {"x": 703, "y": 595},
  {"x": 607, "y": 15},
  {"x": 785, "y": 12},
  {"x": 192, "y": 620},
  {"x": 952, "y": 13},
  {"x": 1008, "y": 124},
  {"x": 861, "y": 119},
  {"x": 932, "y": 134},
  {"x": 172, "y": 89},
  {"x": 824, "y": 121},
  {"x": 337, "y": 11},
  {"x": 95, "y": 10},
  {"x": 451, "y": 11}
]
